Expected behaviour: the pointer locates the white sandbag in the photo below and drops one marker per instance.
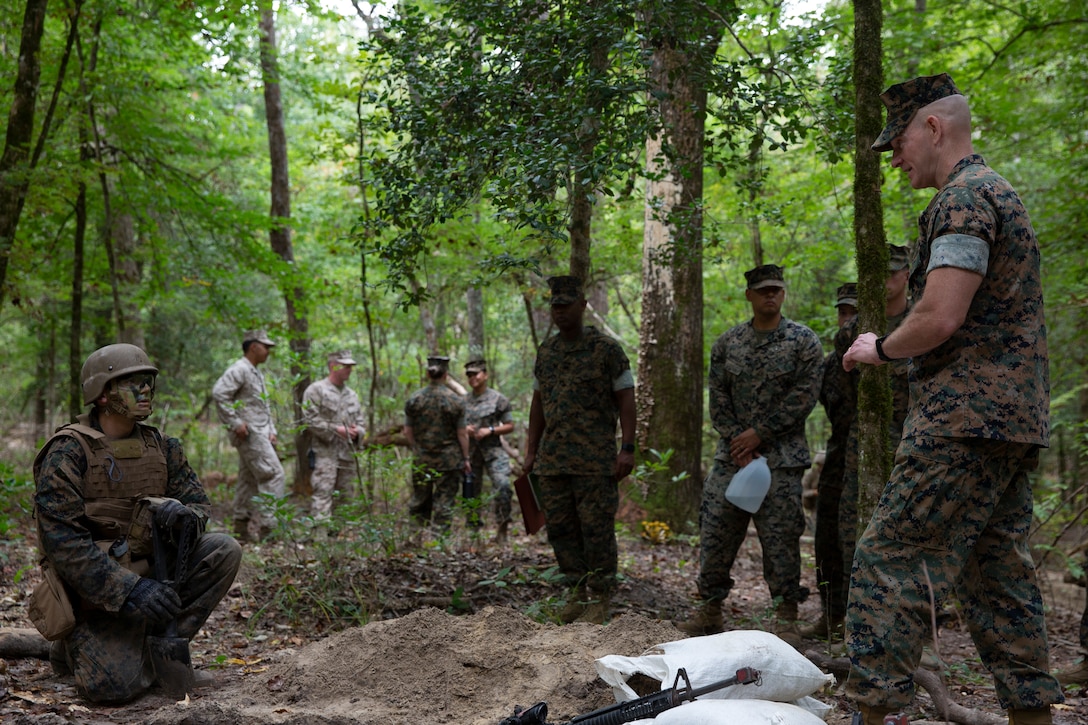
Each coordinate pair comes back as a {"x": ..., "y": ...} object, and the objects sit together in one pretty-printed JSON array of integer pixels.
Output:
[
  {"x": 735, "y": 712},
  {"x": 818, "y": 708},
  {"x": 786, "y": 674}
]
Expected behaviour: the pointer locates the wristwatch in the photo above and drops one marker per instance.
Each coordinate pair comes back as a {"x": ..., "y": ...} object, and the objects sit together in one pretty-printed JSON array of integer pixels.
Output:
[
  {"x": 492, "y": 429},
  {"x": 880, "y": 349},
  {"x": 628, "y": 448}
]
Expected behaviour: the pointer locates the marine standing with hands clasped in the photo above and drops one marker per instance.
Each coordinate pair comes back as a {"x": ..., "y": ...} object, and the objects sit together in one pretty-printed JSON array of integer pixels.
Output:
[
  {"x": 334, "y": 417},
  {"x": 434, "y": 424},
  {"x": 242, "y": 402},
  {"x": 488, "y": 416},
  {"x": 764, "y": 379},
  {"x": 958, "y": 508},
  {"x": 98, "y": 484},
  {"x": 582, "y": 384}
]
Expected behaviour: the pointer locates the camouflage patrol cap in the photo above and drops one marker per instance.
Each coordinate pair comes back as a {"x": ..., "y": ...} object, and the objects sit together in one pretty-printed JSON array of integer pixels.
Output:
[
  {"x": 260, "y": 336},
  {"x": 898, "y": 257},
  {"x": 476, "y": 366},
  {"x": 437, "y": 364},
  {"x": 904, "y": 99},
  {"x": 765, "y": 275},
  {"x": 847, "y": 294},
  {"x": 341, "y": 357},
  {"x": 566, "y": 290}
]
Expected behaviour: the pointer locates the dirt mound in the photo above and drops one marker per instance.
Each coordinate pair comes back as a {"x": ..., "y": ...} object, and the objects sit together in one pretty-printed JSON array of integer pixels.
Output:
[{"x": 432, "y": 667}]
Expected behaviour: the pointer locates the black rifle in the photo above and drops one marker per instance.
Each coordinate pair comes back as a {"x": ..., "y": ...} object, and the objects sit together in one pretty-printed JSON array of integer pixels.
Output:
[{"x": 643, "y": 708}]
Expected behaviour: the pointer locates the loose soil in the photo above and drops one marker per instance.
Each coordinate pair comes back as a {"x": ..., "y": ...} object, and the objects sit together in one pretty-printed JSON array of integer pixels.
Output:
[{"x": 459, "y": 633}]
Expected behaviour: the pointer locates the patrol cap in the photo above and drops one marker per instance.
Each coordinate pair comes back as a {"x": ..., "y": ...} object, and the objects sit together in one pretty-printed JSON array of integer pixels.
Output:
[
  {"x": 904, "y": 99},
  {"x": 476, "y": 366},
  {"x": 898, "y": 257},
  {"x": 437, "y": 364},
  {"x": 260, "y": 336},
  {"x": 341, "y": 357},
  {"x": 566, "y": 290},
  {"x": 847, "y": 294},
  {"x": 765, "y": 275}
]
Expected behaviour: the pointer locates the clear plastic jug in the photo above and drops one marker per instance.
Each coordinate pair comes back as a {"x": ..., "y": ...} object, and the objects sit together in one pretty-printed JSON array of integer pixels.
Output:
[{"x": 750, "y": 485}]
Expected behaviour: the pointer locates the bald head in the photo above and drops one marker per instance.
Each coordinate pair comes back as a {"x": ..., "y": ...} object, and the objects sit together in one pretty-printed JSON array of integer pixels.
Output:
[{"x": 937, "y": 136}]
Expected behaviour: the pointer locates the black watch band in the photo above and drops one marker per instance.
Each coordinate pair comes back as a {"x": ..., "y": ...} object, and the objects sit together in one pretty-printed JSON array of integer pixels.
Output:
[
  {"x": 628, "y": 448},
  {"x": 880, "y": 349}
]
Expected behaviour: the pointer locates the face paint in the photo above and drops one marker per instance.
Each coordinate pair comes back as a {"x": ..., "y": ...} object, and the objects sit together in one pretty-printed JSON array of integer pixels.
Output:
[{"x": 132, "y": 395}]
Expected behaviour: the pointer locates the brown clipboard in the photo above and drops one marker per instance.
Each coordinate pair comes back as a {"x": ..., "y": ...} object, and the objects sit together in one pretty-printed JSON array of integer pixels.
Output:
[{"x": 530, "y": 507}]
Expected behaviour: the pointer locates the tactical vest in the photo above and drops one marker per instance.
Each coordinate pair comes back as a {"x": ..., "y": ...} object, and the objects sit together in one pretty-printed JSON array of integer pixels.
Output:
[{"x": 119, "y": 474}]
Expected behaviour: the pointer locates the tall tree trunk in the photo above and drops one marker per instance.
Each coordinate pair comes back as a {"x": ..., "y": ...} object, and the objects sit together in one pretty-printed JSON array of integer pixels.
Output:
[
  {"x": 874, "y": 393},
  {"x": 280, "y": 238},
  {"x": 670, "y": 390},
  {"x": 474, "y": 305},
  {"x": 14, "y": 169}
]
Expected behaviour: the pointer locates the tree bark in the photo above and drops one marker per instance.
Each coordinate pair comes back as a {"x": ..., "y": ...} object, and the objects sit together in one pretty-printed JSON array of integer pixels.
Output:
[
  {"x": 14, "y": 167},
  {"x": 280, "y": 237},
  {"x": 874, "y": 394},
  {"x": 670, "y": 390}
]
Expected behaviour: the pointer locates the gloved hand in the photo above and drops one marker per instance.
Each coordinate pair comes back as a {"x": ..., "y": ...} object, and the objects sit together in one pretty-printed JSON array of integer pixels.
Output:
[
  {"x": 152, "y": 600},
  {"x": 170, "y": 513}
]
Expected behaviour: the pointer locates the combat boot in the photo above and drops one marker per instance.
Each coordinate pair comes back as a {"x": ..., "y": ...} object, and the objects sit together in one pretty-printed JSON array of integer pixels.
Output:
[
  {"x": 500, "y": 533},
  {"x": 575, "y": 607},
  {"x": 1074, "y": 676},
  {"x": 867, "y": 715},
  {"x": 597, "y": 610},
  {"x": 829, "y": 628},
  {"x": 707, "y": 620},
  {"x": 264, "y": 532},
  {"x": 1037, "y": 716},
  {"x": 785, "y": 625},
  {"x": 241, "y": 531}
]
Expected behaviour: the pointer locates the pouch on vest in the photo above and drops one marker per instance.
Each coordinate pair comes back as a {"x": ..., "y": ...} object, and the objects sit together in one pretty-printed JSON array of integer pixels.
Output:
[
  {"x": 49, "y": 607},
  {"x": 139, "y": 529}
]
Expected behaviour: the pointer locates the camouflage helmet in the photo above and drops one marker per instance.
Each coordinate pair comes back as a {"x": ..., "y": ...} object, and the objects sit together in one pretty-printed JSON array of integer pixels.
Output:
[{"x": 110, "y": 362}]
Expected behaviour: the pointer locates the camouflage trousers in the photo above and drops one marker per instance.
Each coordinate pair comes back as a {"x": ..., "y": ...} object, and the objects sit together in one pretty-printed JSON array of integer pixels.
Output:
[
  {"x": 780, "y": 521},
  {"x": 581, "y": 522},
  {"x": 259, "y": 471},
  {"x": 832, "y": 579},
  {"x": 497, "y": 464},
  {"x": 433, "y": 495},
  {"x": 1084, "y": 617},
  {"x": 956, "y": 513},
  {"x": 331, "y": 475},
  {"x": 108, "y": 653}
]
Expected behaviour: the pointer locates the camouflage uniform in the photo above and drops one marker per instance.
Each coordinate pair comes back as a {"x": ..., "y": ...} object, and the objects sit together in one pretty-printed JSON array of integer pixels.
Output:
[
  {"x": 576, "y": 381},
  {"x": 832, "y": 577},
  {"x": 959, "y": 502},
  {"x": 240, "y": 397},
  {"x": 768, "y": 381},
  {"x": 106, "y": 651},
  {"x": 325, "y": 407},
  {"x": 435, "y": 413},
  {"x": 900, "y": 388},
  {"x": 491, "y": 409}
]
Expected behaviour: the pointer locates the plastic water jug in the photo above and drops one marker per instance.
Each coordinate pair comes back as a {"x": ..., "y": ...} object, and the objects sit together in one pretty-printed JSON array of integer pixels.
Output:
[{"x": 750, "y": 485}]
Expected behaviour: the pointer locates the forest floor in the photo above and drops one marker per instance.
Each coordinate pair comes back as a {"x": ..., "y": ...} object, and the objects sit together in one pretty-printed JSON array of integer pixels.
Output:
[{"x": 456, "y": 631}]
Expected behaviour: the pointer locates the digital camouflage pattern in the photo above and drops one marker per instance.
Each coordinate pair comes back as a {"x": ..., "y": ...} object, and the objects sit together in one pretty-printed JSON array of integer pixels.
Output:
[
  {"x": 770, "y": 382},
  {"x": 991, "y": 378},
  {"x": 576, "y": 381},
  {"x": 491, "y": 409},
  {"x": 962, "y": 509},
  {"x": 581, "y": 524},
  {"x": 240, "y": 397},
  {"x": 903, "y": 100},
  {"x": 106, "y": 649},
  {"x": 832, "y": 577},
  {"x": 780, "y": 522},
  {"x": 435, "y": 413},
  {"x": 959, "y": 500},
  {"x": 325, "y": 407},
  {"x": 433, "y": 495}
]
